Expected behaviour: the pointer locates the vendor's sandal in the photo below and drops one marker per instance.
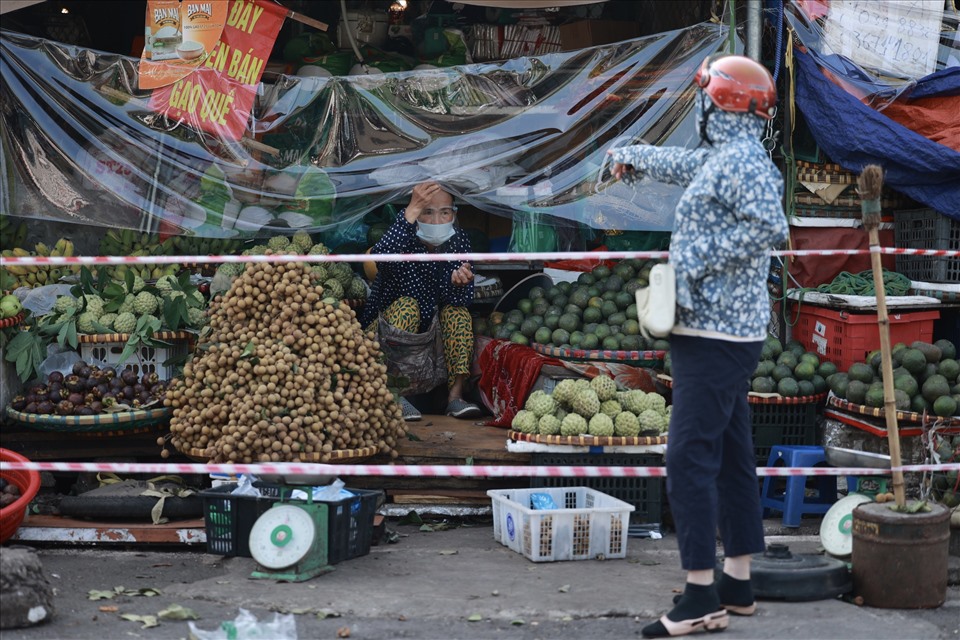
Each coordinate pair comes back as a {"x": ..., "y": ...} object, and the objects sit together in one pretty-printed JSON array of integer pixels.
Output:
[
  {"x": 410, "y": 412},
  {"x": 735, "y": 609},
  {"x": 667, "y": 628},
  {"x": 460, "y": 408}
]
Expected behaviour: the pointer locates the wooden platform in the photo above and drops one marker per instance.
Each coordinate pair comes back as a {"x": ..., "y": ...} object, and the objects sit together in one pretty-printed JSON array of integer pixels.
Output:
[{"x": 64, "y": 530}]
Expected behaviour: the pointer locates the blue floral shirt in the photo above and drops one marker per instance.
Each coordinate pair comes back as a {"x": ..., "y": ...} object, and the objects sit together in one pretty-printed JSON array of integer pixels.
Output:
[
  {"x": 427, "y": 282},
  {"x": 727, "y": 220}
]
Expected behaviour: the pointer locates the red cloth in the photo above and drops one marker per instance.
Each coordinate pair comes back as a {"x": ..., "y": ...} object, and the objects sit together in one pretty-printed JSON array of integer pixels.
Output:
[
  {"x": 810, "y": 271},
  {"x": 508, "y": 373},
  {"x": 626, "y": 376}
]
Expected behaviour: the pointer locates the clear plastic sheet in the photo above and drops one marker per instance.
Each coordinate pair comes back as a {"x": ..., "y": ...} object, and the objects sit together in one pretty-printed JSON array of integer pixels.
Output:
[
  {"x": 877, "y": 50},
  {"x": 79, "y": 143}
]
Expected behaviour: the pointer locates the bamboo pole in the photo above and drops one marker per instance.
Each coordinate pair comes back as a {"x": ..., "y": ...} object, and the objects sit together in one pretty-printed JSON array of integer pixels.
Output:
[{"x": 869, "y": 185}]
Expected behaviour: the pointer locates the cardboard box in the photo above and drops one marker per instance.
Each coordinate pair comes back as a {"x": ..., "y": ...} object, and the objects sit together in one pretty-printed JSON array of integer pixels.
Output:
[{"x": 591, "y": 33}]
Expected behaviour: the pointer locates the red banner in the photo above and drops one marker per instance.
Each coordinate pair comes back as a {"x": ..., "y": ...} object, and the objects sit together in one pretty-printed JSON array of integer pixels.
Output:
[{"x": 218, "y": 96}]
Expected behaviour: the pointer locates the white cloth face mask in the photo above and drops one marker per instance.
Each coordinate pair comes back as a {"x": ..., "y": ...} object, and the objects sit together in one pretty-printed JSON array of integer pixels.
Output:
[{"x": 435, "y": 234}]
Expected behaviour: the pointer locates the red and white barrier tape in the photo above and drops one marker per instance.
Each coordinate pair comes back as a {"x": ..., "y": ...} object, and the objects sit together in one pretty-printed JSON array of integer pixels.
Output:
[
  {"x": 431, "y": 257},
  {"x": 434, "y": 471}
]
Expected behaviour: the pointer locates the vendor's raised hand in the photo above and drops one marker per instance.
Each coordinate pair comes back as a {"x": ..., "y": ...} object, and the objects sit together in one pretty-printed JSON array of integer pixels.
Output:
[
  {"x": 625, "y": 172},
  {"x": 462, "y": 276},
  {"x": 420, "y": 199}
]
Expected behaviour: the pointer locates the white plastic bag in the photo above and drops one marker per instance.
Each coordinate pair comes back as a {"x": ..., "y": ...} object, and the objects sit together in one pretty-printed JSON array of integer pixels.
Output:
[
  {"x": 245, "y": 487},
  {"x": 40, "y": 300},
  {"x": 246, "y": 627},
  {"x": 657, "y": 303}
]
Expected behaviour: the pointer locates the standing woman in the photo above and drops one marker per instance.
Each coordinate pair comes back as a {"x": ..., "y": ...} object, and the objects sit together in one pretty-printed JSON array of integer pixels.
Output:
[
  {"x": 727, "y": 221},
  {"x": 409, "y": 294}
]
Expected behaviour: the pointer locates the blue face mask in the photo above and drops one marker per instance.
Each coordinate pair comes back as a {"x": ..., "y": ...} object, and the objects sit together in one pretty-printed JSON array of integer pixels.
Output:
[{"x": 435, "y": 234}]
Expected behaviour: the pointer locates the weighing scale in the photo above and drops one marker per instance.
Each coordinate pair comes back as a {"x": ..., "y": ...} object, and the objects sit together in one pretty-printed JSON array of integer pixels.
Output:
[
  {"x": 836, "y": 528},
  {"x": 289, "y": 542}
]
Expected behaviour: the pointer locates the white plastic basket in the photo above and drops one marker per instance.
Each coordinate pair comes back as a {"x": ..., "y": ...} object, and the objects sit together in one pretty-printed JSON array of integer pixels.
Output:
[
  {"x": 145, "y": 359},
  {"x": 588, "y": 525}
]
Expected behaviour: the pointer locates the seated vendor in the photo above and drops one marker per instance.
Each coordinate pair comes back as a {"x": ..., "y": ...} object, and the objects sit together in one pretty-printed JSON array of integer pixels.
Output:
[{"x": 409, "y": 294}]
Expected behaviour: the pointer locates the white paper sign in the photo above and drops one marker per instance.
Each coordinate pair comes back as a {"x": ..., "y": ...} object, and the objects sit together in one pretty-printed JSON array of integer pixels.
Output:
[{"x": 895, "y": 37}]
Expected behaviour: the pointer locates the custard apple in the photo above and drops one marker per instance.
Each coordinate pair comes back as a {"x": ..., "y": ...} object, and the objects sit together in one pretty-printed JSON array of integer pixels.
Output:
[
  {"x": 635, "y": 401},
  {"x": 319, "y": 272},
  {"x": 564, "y": 391},
  {"x": 165, "y": 284},
  {"x": 540, "y": 404},
  {"x": 127, "y": 305},
  {"x": 333, "y": 288},
  {"x": 601, "y": 425},
  {"x": 145, "y": 303},
  {"x": 581, "y": 383},
  {"x": 561, "y": 414},
  {"x": 231, "y": 269},
  {"x": 573, "y": 425},
  {"x": 650, "y": 420},
  {"x": 301, "y": 241},
  {"x": 196, "y": 317},
  {"x": 655, "y": 402},
  {"x": 94, "y": 305},
  {"x": 138, "y": 284},
  {"x": 525, "y": 422},
  {"x": 605, "y": 387},
  {"x": 107, "y": 320},
  {"x": 586, "y": 403},
  {"x": 319, "y": 249},
  {"x": 64, "y": 304},
  {"x": 357, "y": 289},
  {"x": 611, "y": 408},
  {"x": 198, "y": 297},
  {"x": 549, "y": 425},
  {"x": 278, "y": 243},
  {"x": 85, "y": 322},
  {"x": 125, "y": 322},
  {"x": 172, "y": 295},
  {"x": 626, "y": 424}
]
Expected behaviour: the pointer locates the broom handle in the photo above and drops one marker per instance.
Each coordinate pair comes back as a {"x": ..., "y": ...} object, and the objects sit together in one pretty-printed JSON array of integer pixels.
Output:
[{"x": 889, "y": 398}]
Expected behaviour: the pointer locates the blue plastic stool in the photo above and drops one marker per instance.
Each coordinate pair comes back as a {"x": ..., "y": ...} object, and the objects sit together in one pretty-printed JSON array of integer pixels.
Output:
[{"x": 793, "y": 502}]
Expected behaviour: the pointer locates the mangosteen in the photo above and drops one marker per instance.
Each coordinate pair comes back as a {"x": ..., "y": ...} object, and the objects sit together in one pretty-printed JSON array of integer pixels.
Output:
[
  {"x": 129, "y": 393},
  {"x": 63, "y": 395},
  {"x": 109, "y": 372},
  {"x": 31, "y": 407},
  {"x": 90, "y": 383},
  {"x": 139, "y": 388},
  {"x": 79, "y": 366},
  {"x": 40, "y": 394},
  {"x": 32, "y": 398},
  {"x": 150, "y": 379},
  {"x": 39, "y": 389},
  {"x": 145, "y": 397},
  {"x": 55, "y": 376},
  {"x": 54, "y": 389},
  {"x": 116, "y": 384},
  {"x": 97, "y": 375},
  {"x": 46, "y": 407},
  {"x": 135, "y": 403},
  {"x": 85, "y": 372},
  {"x": 84, "y": 411},
  {"x": 18, "y": 402},
  {"x": 87, "y": 399},
  {"x": 96, "y": 406},
  {"x": 129, "y": 377},
  {"x": 65, "y": 408},
  {"x": 108, "y": 400},
  {"x": 75, "y": 398},
  {"x": 101, "y": 389},
  {"x": 74, "y": 383}
]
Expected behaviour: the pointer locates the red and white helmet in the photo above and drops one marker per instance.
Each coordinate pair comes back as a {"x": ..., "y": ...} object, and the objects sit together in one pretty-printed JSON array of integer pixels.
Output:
[{"x": 738, "y": 84}]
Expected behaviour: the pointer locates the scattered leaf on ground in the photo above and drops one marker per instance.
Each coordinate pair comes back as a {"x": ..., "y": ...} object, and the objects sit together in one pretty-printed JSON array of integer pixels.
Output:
[
  {"x": 564, "y": 589},
  {"x": 411, "y": 518},
  {"x": 108, "y": 609},
  {"x": 449, "y": 552},
  {"x": 566, "y": 619},
  {"x": 96, "y": 594},
  {"x": 517, "y": 623},
  {"x": 426, "y": 528},
  {"x": 343, "y": 632},
  {"x": 494, "y": 593},
  {"x": 223, "y": 582},
  {"x": 300, "y": 611},
  {"x": 402, "y": 618},
  {"x": 476, "y": 617},
  {"x": 147, "y": 621},
  {"x": 162, "y": 564},
  {"x": 327, "y": 613},
  {"x": 178, "y": 612},
  {"x": 149, "y": 592}
]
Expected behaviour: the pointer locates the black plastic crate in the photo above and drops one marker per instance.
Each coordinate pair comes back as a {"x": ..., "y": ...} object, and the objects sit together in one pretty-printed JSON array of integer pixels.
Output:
[
  {"x": 230, "y": 517},
  {"x": 927, "y": 229},
  {"x": 775, "y": 424},
  {"x": 645, "y": 494}
]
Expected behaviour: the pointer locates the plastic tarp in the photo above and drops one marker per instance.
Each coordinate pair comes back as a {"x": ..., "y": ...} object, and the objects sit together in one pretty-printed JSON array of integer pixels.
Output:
[
  {"x": 861, "y": 114},
  {"x": 80, "y": 143}
]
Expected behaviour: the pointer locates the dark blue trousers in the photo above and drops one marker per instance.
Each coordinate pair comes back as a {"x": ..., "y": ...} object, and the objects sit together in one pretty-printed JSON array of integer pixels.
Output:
[{"x": 711, "y": 465}]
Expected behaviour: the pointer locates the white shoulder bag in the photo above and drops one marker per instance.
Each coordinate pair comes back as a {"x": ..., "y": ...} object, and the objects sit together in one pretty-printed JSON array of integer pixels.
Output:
[{"x": 657, "y": 302}]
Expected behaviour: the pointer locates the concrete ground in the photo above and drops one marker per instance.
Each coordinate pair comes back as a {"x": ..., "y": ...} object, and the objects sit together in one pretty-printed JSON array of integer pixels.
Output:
[{"x": 454, "y": 583}]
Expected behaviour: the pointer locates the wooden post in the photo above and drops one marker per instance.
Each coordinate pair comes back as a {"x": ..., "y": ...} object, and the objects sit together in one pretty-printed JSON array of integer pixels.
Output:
[{"x": 869, "y": 185}]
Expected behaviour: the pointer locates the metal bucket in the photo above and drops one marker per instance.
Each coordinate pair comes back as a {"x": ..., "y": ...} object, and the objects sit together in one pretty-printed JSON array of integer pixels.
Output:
[{"x": 900, "y": 559}]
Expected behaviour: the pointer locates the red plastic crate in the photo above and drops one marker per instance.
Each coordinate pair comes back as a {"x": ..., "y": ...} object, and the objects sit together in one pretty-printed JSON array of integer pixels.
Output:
[{"x": 843, "y": 338}]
